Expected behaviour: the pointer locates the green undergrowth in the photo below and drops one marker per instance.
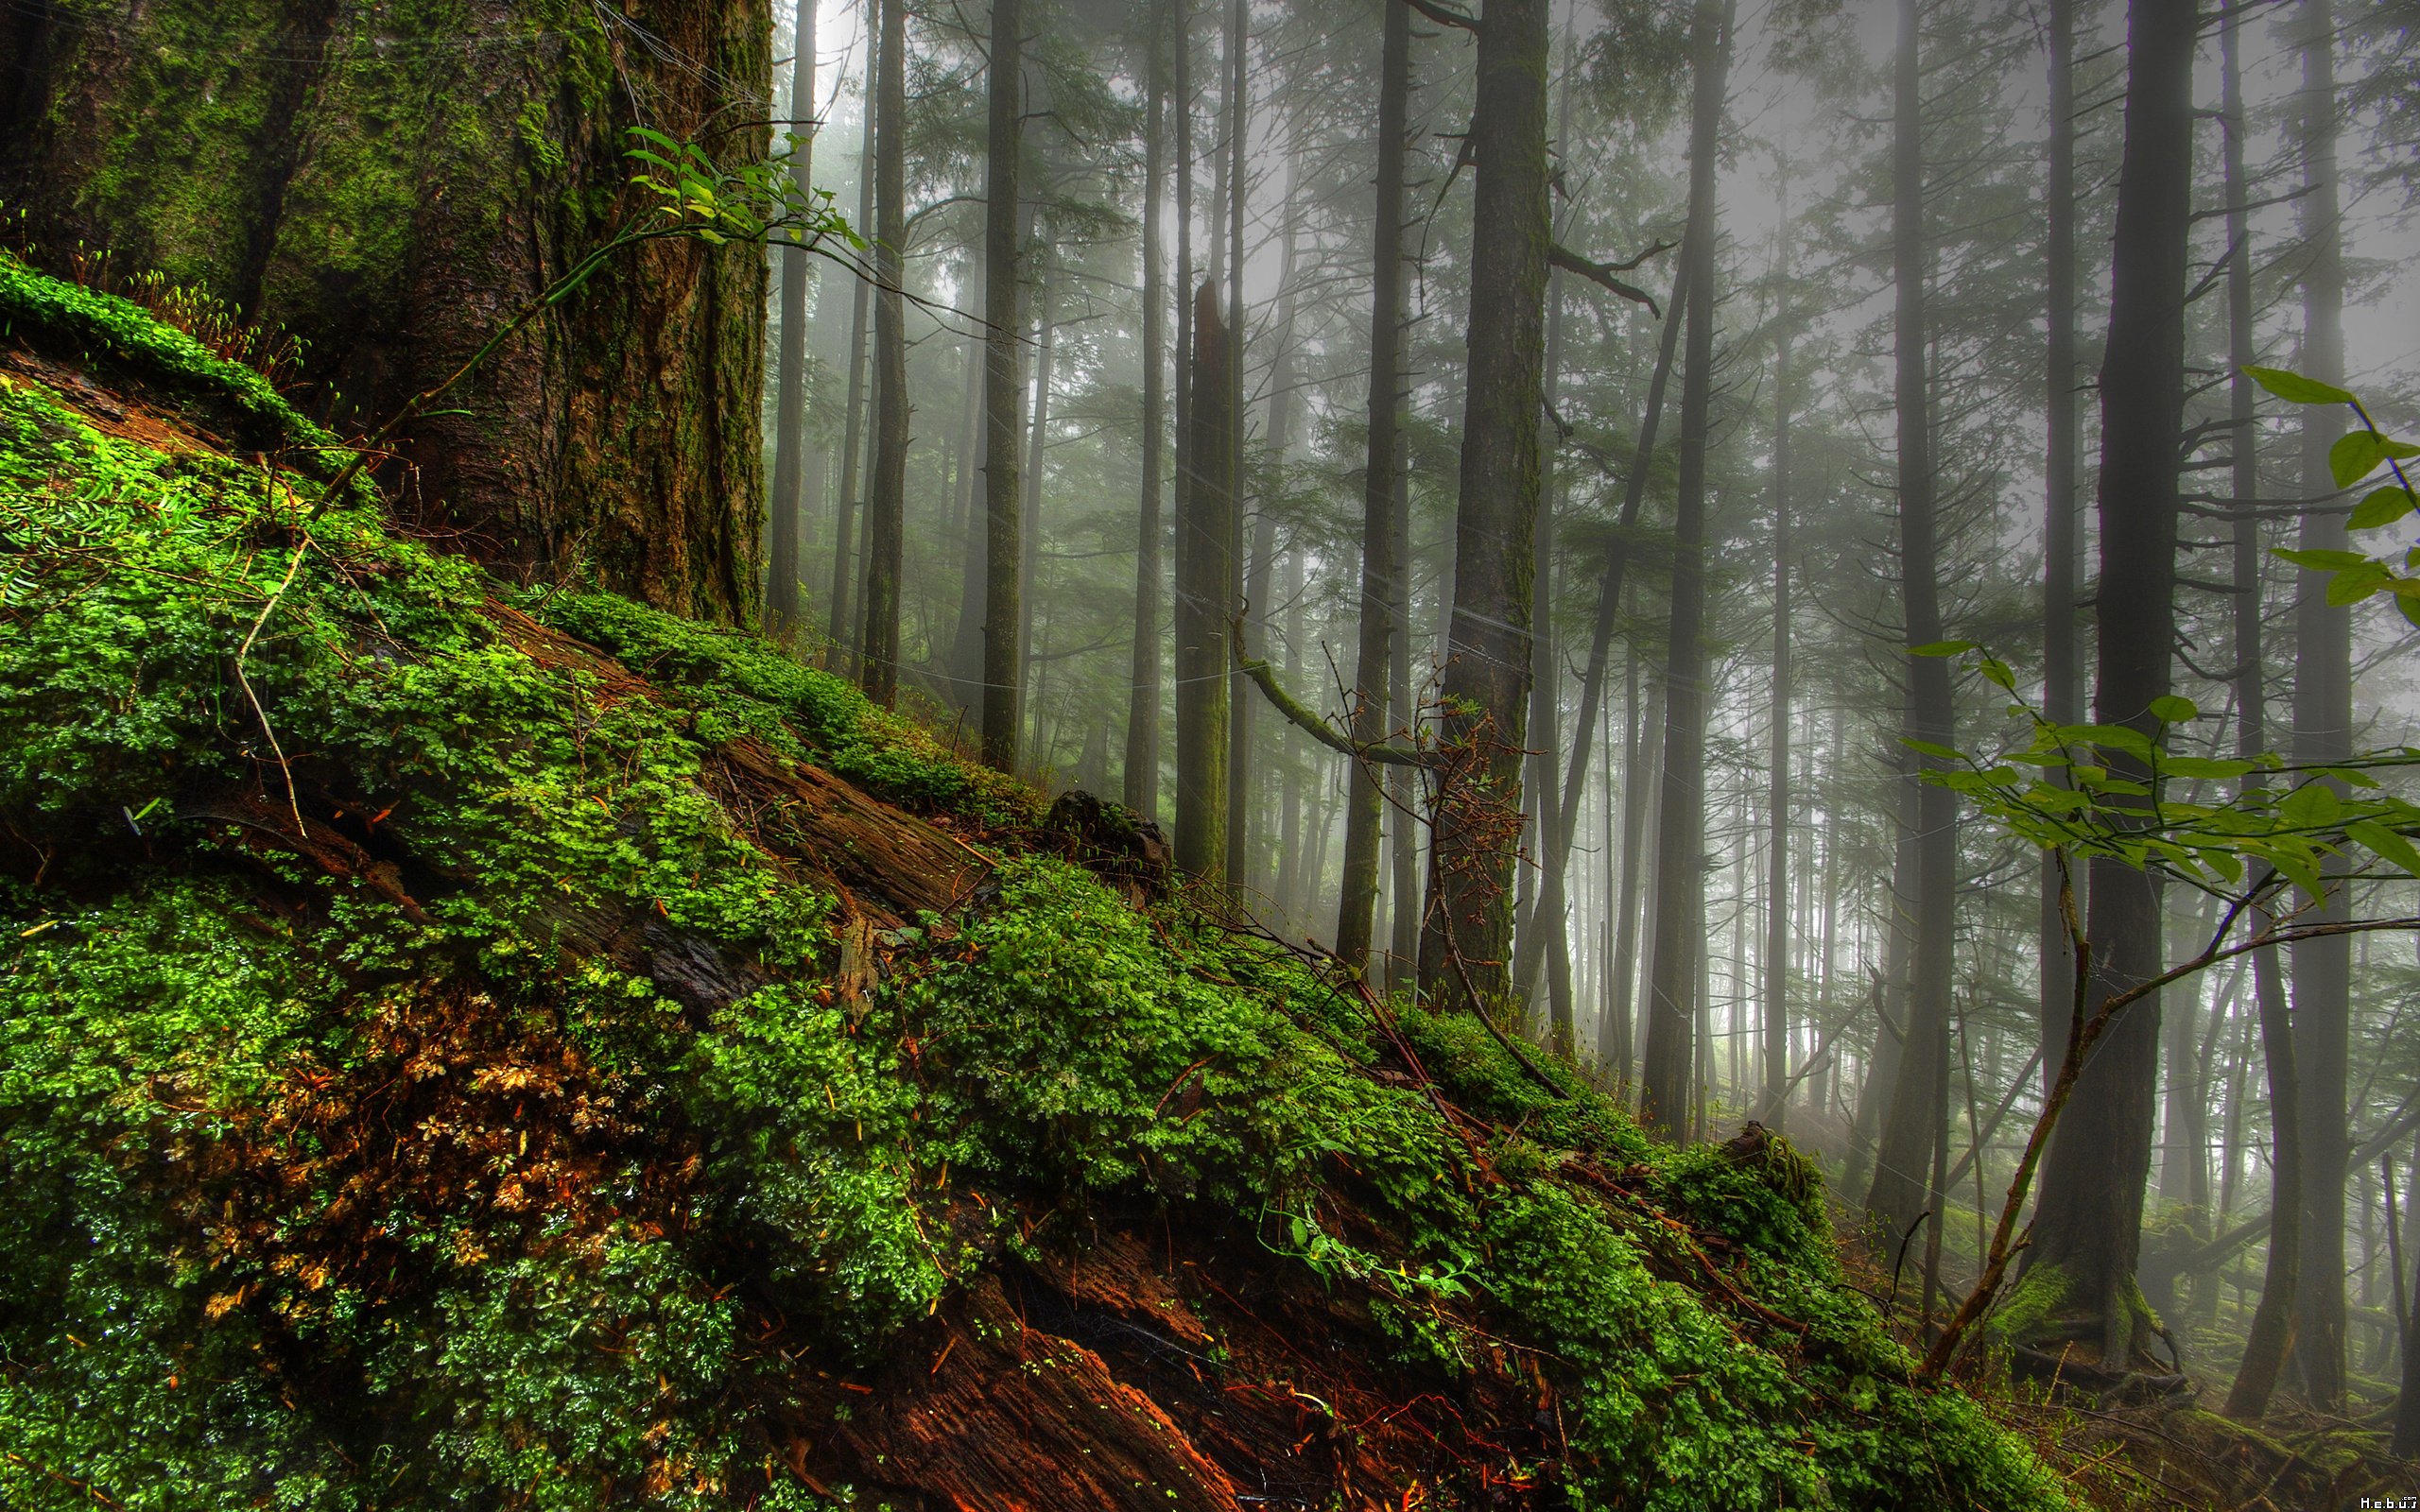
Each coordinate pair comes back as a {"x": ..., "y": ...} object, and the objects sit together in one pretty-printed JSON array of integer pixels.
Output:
[{"x": 508, "y": 1136}]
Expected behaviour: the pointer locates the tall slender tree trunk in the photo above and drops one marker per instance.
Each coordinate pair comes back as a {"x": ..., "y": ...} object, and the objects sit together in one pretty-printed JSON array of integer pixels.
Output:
[
  {"x": 844, "y": 535},
  {"x": 1181, "y": 495},
  {"x": 1675, "y": 963},
  {"x": 1614, "y": 1036},
  {"x": 1003, "y": 394},
  {"x": 2089, "y": 1222},
  {"x": 1240, "y": 705},
  {"x": 1777, "y": 799},
  {"x": 1142, "y": 766},
  {"x": 1920, "y": 1106},
  {"x": 1381, "y": 595},
  {"x": 887, "y": 501},
  {"x": 2061, "y": 700},
  {"x": 1405, "y": 829},
  {"x": 1557, "y": 812},
  {"x": 2322, "y": 733},
  {"x": 1467, "y": 932},
  {"x": 1260, "y": 872},
  {"x": 1204, "y": 576},
  {"x": 1046, "y": 340},
  {"x": 2271, "y": 1328},
  {"x": 965, "y": 665},
  {"x": 785, "y": 509}
]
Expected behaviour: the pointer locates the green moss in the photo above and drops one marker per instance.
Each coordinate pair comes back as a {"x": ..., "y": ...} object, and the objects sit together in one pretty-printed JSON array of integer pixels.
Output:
[
  {"x": 340, "y": 1192},
  {"x": 113, "y": 335}
]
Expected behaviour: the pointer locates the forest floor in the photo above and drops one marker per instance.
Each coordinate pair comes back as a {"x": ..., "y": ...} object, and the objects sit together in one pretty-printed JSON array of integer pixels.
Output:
[{"x": 2143, "y": 1451}]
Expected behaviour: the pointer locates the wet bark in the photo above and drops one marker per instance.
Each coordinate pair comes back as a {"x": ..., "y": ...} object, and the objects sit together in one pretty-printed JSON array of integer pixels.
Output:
[{"x": 388, "y": 214}]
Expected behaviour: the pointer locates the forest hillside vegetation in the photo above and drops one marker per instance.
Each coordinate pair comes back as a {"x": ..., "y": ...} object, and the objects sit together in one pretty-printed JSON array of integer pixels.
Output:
[{"x": 472, "y": 1044}]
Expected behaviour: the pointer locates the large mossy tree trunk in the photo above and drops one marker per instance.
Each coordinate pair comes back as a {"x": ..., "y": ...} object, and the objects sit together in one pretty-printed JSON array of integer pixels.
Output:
[
  {"x": 1467, "y": 933},
  {"x": 388, "y": 182}
]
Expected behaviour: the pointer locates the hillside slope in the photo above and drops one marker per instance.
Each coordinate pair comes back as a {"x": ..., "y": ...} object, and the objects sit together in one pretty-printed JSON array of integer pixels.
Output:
[{"x": 462, "y": 1046}]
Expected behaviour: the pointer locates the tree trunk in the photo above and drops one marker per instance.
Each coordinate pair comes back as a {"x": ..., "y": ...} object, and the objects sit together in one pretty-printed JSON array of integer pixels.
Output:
[
  {"x": 1365, "y": 804},
  {"x": 785, "y": 509},
  {"x": 1405, "y": 829},
  {"x": 1204, "y": 576},
  {"x": 1141, "y": 765},
  {"x": 2089, "y": 1221},
  {"x": 844, "y": 535},
  {"x": 383, "y": 205},
  {"x": 1777, "y": 797},
  {"x": 2060, "y": 699},
  {"x": 1557, "y": 812},
  {"x": 1181, "y": 496},
  {"x": 1919, "y": 1107},
  {"x": 1259, "y": 873},
  {"x": 887, "y": 500},
  {"x": 1045, "y": 361},
  {"x": 2322, "y": 733},
  {"x": 1468, "y": 930},
  {"x": 1003, "y": 394},
  {"x": 1674, "y": 960}
]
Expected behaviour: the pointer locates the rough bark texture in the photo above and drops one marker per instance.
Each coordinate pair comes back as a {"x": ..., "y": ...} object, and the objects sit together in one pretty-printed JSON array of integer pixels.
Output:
[
  {"x": 2089, "y": 1223},
  {"x": 391, "y": 206},
  {"x": 1469, "y": 925},
  {"x": 1365, "y": 809},
  {"x": 1920, "y": 1105},
  {"x": 1003, "y": 399},
  {"x": 1675, "y": 952}
]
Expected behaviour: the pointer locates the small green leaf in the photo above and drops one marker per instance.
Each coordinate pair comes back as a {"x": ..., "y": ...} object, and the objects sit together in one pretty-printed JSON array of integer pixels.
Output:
[
  {"x": 1928, "y": 747},
  {"x": 2310, "y": 806},
  {"x": 2297, "y": 389},
  {"x": 1997, "y": 670},
  {"x": 2358, "y": 453},
  {"x": 2383, "y": 507},
  {"x": 2322, "y": 562},
  {"x": 1941, "y": 648},
  {"x": 2389, "y": 846},
  {"x": 2171, "y": 709},
  {"x": 2358, "y": 583}
]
